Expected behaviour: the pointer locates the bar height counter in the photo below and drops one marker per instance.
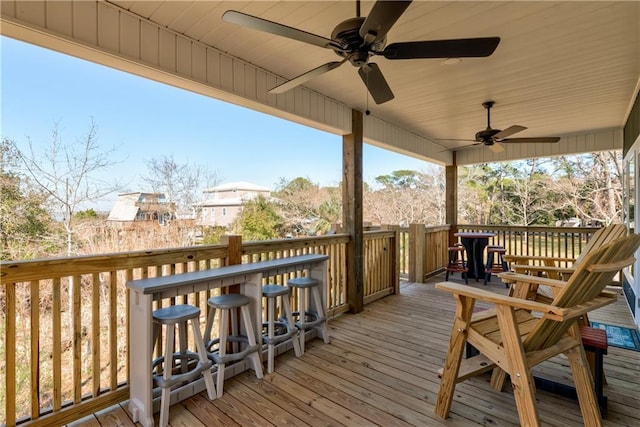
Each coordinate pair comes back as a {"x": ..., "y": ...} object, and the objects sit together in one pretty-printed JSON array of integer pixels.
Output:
[{"x": 144, "y": 291}]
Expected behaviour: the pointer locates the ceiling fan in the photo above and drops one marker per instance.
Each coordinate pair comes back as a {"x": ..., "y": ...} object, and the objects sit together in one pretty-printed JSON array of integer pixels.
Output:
[
  {"x": 358, "y": 39},
  {"x": 494, "y": 138}
]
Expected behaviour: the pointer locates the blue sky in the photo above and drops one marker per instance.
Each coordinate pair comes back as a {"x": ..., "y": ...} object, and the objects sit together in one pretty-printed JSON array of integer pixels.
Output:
[{"x": 145, "y": 120}]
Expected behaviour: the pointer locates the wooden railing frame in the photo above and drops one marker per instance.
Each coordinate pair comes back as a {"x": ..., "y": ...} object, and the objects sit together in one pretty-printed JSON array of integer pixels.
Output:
[{"x": 112, "y": 270}]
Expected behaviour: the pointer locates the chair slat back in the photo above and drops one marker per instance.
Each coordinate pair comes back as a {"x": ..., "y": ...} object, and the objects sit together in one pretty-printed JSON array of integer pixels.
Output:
[
  {"x": 602, "y": 237},
  {"x": 594, "y": 273}
]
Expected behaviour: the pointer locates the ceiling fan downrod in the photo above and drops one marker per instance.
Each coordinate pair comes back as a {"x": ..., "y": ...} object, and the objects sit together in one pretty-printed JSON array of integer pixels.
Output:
[{"x": 488, "y": 106}]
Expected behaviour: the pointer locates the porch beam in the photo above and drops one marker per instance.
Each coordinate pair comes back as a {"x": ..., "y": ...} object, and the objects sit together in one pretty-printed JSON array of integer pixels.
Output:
[{"x": 352, "y": 211}]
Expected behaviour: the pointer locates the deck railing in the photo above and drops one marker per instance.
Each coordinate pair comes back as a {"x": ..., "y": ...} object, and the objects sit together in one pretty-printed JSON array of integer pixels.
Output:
[
  {"x": 428, "y": 245},
  {"x": 557, "y": 242},
  {"x": 64, "y": 328}
]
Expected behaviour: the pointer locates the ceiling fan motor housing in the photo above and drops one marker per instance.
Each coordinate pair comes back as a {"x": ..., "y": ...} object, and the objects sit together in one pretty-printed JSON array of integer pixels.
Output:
[
  {"x": 486, "y": 136},
  {"x": 347, "y": 34}
]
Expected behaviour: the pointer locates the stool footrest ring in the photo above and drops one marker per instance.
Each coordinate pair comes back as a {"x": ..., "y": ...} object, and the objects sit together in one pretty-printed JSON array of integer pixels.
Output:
[
  {"x": 281, "y": 326},
  {"x": 177, "y": 378},
  {"x": 315, "y": 320}
]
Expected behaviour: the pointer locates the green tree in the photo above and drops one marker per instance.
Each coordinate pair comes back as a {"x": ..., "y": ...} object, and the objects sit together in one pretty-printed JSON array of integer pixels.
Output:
[
  {"x": 258, "y": 220},
  {"x": 307, "y": 208},
  {"x": 87, "y": 214},
  {"x": 24, "y": 223}
]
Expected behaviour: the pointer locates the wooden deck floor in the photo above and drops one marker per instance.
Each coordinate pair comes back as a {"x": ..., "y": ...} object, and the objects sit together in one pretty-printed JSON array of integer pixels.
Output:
[{"x": 380, "y": 369}]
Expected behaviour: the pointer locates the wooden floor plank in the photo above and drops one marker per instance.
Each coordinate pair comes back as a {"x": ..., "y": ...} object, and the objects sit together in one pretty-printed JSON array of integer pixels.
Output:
[
  {"x": 206, "y": 413},
  {"x": 381, "y": 369},
  {"x": 268, "y": 391}
]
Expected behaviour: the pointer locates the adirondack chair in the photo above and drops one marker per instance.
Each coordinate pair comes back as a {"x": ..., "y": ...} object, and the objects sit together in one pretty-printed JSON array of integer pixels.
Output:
[
  {"x": 551, "y": 266},
  {"x": 518, "y": 334}
]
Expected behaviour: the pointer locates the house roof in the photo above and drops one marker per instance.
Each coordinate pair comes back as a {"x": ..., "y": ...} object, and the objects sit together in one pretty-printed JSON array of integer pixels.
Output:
[
  {"x": 122, "y": 211},
  {"x": 238, "y": 186}
]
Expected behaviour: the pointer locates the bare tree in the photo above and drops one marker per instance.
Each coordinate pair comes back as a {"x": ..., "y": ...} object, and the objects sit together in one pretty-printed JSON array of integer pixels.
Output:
[
  {"x": 592, "y": 186},
  {"x": 67, "y": 174},
  {"x": 406, "y": 197},
  {"x": 182, "y": 184}
]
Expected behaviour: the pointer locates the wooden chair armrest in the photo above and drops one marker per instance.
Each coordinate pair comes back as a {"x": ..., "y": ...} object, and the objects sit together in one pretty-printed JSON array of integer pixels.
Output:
[
  {"x": 510, "y": 278},
  {"x": 525, "y": 258},
  {"x": 549, "y": 311},
  {"x": 543, "y": 269}
]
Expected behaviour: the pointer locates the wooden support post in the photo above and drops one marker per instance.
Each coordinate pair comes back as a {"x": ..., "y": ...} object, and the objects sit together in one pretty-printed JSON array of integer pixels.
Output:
[
  {"x": 352, "y": 211},
  {"x": 451, "y": 199},
  {"x": 416, "y": 252},
  {"x": 234, "y": 256}
]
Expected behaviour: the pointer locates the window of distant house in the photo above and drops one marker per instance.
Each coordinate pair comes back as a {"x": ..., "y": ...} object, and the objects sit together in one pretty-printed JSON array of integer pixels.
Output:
[{"x": 224, "y": 211}]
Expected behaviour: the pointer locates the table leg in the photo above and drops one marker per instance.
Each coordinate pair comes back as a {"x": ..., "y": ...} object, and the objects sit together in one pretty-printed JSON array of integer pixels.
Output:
[
  {"x": 252, "y": 288},
  {"x": 319, "y": 272},
  {"x": 480, "y": 244},
  {"x": 469, "y": 247},
  {"x": 140, "y": 353}
]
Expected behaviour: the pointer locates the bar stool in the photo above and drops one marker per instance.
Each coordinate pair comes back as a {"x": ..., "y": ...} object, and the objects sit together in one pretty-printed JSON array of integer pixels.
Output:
[
  {"x": 312, "y": 315},
  {"x": 495, "y": 262},
  {"x": 457, "y": 263},
  {"x": 278, "y": 330},
  {"x": 190, "y": 365},
  {"x": 229, "y": 305}
]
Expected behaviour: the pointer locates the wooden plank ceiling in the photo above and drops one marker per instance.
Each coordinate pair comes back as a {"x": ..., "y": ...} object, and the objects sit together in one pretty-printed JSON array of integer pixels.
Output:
[{"x": 561, "y": 67}]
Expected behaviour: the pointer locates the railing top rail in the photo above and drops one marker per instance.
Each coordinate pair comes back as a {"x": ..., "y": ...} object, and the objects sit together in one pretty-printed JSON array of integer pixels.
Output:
[
  {"x": 257, "y": 246},
  {"x": 16, "y": 271},
  {"x": 47, "y": 268},
  {"x": 531, "y": 228}
]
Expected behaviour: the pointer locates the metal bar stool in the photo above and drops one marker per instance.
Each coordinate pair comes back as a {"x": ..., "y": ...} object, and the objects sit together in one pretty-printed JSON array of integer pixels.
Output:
[
  {"x": 457, "y": 263},
  {"x": 312, "y": 315},
  {"x": 495, "y": 262},
  {"x": 278, "y": 330},
  {"x": 177, "y": 368},
  {"x": 229, "y": 305}
]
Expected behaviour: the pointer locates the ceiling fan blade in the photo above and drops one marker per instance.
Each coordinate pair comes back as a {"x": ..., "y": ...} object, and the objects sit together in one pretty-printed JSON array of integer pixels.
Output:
[
  {"x": 509, "y": 131},
  {"x": 467, "y": 147},
  {"x": 381, "y": 18},
  {"x": 242, "y": 19},
  {"x": 302, "y": 78},
  {"x": 454, "y": 139},
  {"x": 457, "y": 48},
  {"x": 540, "y": 139},
  {"x": 496, "y": 147},
  {"x": 376, "y": 83}
]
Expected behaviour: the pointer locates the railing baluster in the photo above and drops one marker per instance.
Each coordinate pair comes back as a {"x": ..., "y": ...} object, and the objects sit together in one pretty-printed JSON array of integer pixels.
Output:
[
  {"x": 10, "y": 353},
  {"x": 95, "y": 333},
  {"x": 35, "y": 348},
  {"x": 77, "y": 339},
  {"x": 57, "y": 343}
]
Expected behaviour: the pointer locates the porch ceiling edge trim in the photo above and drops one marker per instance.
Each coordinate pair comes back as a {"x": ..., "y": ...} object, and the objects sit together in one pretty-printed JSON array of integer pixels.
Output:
[{"x": 105, "y": 34}]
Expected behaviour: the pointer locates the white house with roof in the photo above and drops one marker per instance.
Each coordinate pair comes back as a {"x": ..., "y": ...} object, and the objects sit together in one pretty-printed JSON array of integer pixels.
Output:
[
  {"x": 142, "y": 207},
  {"x": 224, "y": 202}
]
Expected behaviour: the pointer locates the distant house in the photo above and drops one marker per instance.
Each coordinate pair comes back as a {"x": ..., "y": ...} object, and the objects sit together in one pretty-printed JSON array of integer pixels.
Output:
[
  {"x": 223, "y": 203},
  {"x": 142, "y": 207}
]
